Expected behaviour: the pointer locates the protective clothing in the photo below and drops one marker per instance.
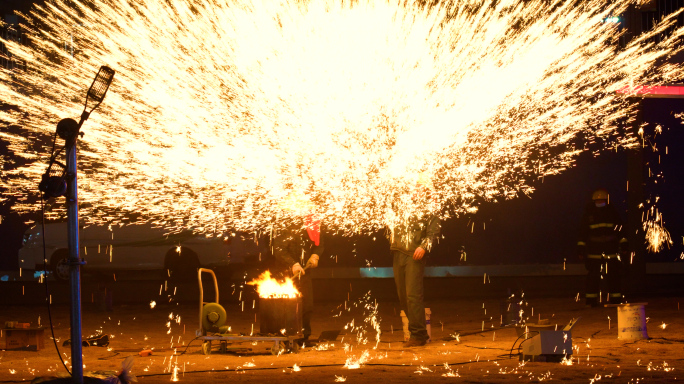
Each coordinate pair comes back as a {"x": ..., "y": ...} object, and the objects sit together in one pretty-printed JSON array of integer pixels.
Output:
[{"x": 601, "y": 242}]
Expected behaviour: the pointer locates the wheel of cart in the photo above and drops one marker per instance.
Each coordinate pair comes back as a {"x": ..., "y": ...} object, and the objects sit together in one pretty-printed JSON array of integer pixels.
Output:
[
  {"x": 206, "y": 347},
  {"x": 223, "y": 347},
  {"x": 294, "y": 347},
  {"x": 284, "y": 346},
  {"x": 278, "y": 348}
]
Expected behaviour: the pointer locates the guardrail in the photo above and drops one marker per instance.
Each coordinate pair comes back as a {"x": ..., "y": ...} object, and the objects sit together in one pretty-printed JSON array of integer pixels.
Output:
[
  {"x": 11, "y": 32},
  {"x": 480, "y": 271}
]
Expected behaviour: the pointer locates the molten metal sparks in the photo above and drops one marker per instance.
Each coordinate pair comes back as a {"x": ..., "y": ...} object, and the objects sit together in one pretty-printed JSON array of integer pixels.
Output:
[
  {"x": 353, "y": 363},
  {"x": 220, "y": 108},
  {"x": 174, "y": 374},
  {"x": 268, "y": 287},
  {"x": 450, "y": 372},
  {"x": 657, "y": 237}
]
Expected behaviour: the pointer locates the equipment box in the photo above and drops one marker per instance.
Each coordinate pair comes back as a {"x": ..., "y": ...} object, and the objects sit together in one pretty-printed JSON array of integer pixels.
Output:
[{"x": 26, "y": 339}]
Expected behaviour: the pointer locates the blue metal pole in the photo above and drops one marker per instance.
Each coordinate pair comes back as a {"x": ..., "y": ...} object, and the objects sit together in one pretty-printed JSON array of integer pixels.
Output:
[{"x": 74, "y": 261}]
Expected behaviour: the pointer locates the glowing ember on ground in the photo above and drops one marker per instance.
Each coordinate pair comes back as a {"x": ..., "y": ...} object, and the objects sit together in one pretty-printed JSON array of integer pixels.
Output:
[
  {"x": 340, "y": 379},
  {"x": 217, "y": 106},
  {"x": 174, "y": 374},
  {"x": 268, "y": 287},
  {"x": 353, "y": 363}
]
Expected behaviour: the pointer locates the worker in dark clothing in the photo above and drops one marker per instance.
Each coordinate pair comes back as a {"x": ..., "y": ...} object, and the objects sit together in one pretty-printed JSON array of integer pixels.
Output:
[
  {"x": 603, "y": 247},
  {"x": 293, "y": 246},
  {"x": 409, "y": 243}
]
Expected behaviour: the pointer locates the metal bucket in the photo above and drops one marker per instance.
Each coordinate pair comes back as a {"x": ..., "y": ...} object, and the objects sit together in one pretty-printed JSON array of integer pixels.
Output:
[
  {"x": 281, "y": 313},
  {"x": 632, "y": 321}
]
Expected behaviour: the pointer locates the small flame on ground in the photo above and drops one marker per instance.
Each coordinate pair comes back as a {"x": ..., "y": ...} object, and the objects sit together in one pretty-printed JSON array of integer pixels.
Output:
[
  {"x": 340, "y": 379},
  {"x": 174, "y": 376},
  {"x": 566, "y": 360},
  {"x": 356, "y": 364}
]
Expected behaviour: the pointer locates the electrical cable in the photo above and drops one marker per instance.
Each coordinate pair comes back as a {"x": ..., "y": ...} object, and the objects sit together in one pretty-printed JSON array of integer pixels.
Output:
[
  {"x": 304, "y": 366},
  {"x": 510, "y": 354},
  {"x": 188, "y": 346},
  {"x": 45, "y": 281}
]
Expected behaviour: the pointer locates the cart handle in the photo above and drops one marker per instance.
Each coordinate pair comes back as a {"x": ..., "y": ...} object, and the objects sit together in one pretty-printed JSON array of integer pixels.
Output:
[{"x": 201, "y": 292}]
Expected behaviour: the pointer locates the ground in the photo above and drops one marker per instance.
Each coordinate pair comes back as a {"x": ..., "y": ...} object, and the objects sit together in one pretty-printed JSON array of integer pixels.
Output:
[{"x": 469, "y": 345}]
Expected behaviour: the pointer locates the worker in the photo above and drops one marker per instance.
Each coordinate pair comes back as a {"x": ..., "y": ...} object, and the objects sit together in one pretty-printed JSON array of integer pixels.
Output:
[
  {"x": 300, "y": 243},
  {"x": 603, "y": 247},
  {"x": 410, "y": 241}
]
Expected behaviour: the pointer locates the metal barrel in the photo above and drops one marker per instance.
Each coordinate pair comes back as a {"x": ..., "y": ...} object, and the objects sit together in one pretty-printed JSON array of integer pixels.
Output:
[{"x": 276, "y": 314}]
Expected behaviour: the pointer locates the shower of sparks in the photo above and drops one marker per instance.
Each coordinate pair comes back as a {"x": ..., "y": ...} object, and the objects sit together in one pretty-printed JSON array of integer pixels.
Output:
[
  {"x": 353, "y": 363},
  {"x": 657, "y": 237},
  {"x": 219, "y": 109},
  {"x": 449, "y": 371},
  {"x": 174, "y": 375}
]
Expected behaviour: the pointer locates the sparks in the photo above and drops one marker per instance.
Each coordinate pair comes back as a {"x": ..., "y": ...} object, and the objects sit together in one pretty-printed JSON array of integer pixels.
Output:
[
  {"x": 220, "y": 108},
  {"x": 353, "y": 363},
  {"x": 657, "y": 237}
]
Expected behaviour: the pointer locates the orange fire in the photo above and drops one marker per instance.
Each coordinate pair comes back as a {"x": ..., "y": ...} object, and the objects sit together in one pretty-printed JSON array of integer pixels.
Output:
[{"x": 270, "y": 288}]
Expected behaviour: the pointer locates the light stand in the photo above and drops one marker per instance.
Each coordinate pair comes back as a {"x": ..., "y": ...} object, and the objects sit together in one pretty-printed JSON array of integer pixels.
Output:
[{"x": 52, "y": 186}]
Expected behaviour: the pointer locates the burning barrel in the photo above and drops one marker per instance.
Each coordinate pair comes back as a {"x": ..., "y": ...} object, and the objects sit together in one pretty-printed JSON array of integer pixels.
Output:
[
  {"x": 280, "y": 306},
  {"x": 282, "y": 315}
]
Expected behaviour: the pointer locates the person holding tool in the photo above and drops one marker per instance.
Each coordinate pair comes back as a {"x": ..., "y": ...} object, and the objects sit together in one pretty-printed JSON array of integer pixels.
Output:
[{"x": 296, "y": 244}]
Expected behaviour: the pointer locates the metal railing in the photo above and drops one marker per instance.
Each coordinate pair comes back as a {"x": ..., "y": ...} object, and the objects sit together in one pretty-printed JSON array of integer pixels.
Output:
[
  {"x": 663, "y": 8},
  {"x": 9, "y": 32}
]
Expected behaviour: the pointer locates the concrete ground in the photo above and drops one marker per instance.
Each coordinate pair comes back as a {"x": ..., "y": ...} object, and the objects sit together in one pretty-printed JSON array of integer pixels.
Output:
[{"x": 469, "y": 345}]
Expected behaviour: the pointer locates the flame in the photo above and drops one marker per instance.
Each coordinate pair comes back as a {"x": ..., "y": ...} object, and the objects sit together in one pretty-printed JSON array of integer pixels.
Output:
[
  {"x": 354, "y": 363},
  {"x": 268, "y": 287}
]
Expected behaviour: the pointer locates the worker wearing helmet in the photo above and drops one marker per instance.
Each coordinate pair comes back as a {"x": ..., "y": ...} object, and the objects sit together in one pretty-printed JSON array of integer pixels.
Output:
[{"x": 603, "y": 247}]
